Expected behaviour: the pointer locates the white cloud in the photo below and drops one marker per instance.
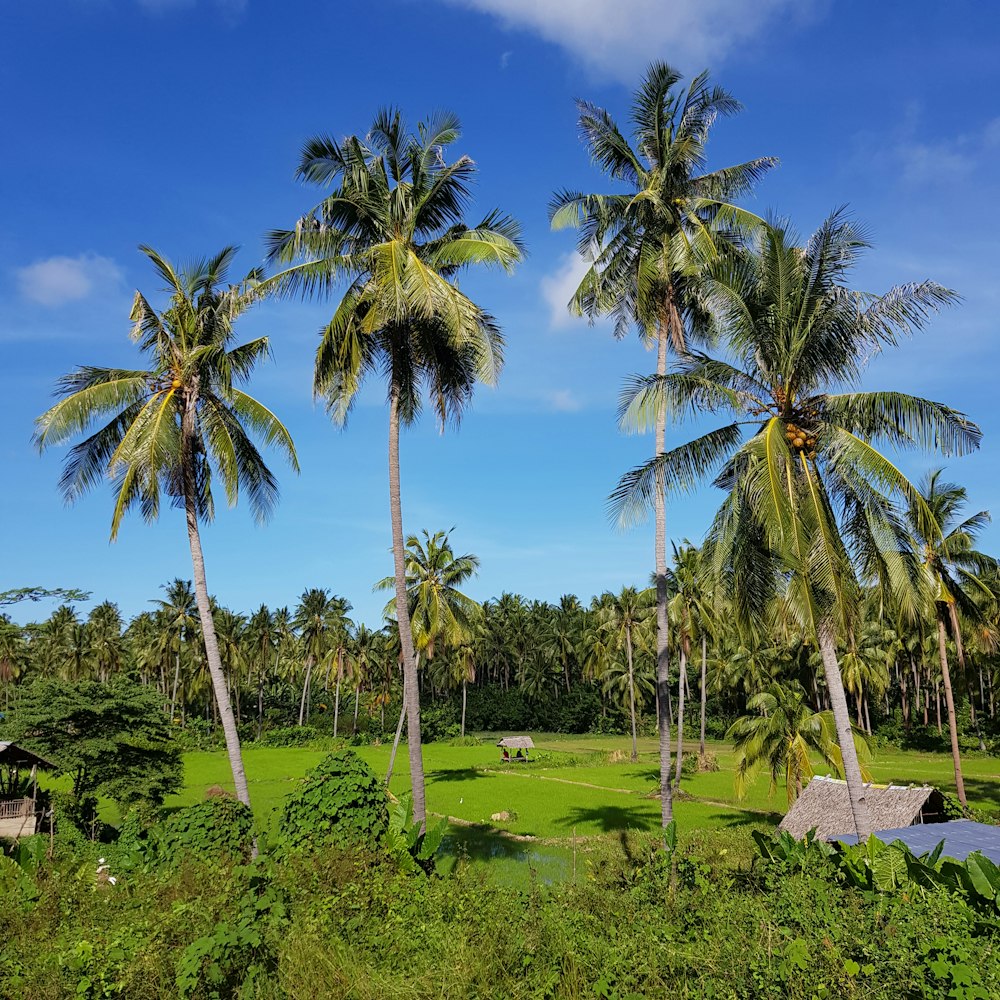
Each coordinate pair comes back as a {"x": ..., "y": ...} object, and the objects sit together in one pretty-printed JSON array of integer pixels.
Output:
[
  {"x": 58, "y": 280},
  {"x": 558, "y": 288},
  {"x": 563, "y": 401},
  {"x": 232, "y": 10},
  {"x": 505, "y": 59},
  {"x": 618, "y": 37},
  {"x": 922, "y": 156}
]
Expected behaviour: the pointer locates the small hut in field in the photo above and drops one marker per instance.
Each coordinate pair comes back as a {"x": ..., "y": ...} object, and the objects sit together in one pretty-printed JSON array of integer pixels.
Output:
[
  {"x": 825, "y": 807},
  {"x": 19, "y": 813},
  {"x": 519, "y": 744}
]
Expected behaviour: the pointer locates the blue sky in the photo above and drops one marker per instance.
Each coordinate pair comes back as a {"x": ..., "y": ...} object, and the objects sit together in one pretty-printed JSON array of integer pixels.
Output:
[{"x": 177, "y": 123}]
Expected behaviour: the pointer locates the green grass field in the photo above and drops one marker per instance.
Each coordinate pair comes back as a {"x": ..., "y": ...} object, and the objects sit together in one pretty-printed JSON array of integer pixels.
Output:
[{"x": 572, "y": 791}]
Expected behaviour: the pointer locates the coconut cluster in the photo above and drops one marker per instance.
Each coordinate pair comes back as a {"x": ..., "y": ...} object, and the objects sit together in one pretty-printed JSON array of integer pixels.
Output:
[{"x": 801, "y": 439}]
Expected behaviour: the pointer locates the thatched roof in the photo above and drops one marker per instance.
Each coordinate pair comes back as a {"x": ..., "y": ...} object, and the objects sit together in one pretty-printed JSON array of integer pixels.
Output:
[
  {"x": 825, "y": 807},
  {"x": 517, "y": 743},
  {"x": 13, "y": 755}
]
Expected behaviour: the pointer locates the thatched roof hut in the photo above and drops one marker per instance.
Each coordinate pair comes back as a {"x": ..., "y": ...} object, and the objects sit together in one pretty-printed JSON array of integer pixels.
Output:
[
  {"x": 517, "y": 743},
  {"x": 825, "y": 807}
]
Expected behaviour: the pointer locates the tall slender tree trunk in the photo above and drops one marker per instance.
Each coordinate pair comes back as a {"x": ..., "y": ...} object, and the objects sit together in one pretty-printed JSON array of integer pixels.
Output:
[
  {"x": 411, "y": 694},
  {"x": 960, "y": 650},
  {"x": 631, "y": 690},
  {"x": 215, "y": 671},
  {"x": 681, "y": 679},
  {"x": 704, "y": 674},
  {"x": 305, "y": 688},
  {"x": 464, "y": 685},
  {"x": 395, "y": 744},
  {"x": 949, "y": 701},
  {"x": 336, "y": 702},
  {"x": 357, "y": 704},
  {"x": 177, "y": 679},
  {"x": 845, "y": 736}
]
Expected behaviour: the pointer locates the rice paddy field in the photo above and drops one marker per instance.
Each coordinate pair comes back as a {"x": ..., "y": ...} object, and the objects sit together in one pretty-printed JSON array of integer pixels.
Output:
[{"x": 575, "y": 792}]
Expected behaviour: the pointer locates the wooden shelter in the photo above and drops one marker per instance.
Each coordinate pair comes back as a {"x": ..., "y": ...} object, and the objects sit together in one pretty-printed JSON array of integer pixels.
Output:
[
  {"x": 824, "y": 806},
  {"x": 520, "y": 744},
  {"x": 19, "y": 813}
]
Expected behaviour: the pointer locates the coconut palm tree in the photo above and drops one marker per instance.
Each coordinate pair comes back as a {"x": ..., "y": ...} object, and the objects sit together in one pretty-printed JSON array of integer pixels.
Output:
[
  {"x": 176, "y": 426},
  {"x": 955, "y": 573},
  {"x": 318, "y": 618},
  {"x": 645, "y": 243},
  {"x": 809, "y": 489},
  {"x": 622, "y": 616},
  {"x": 439, "y": 613},
  {"x": 779, "y": 733},
  {"x": 392, "y": 229},
  {"x": 177, "y": 612}
]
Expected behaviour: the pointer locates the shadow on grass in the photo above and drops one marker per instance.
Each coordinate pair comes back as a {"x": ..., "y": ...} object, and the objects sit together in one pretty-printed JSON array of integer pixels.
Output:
[
  {"x": 454, "y": 774},
  {"x": 610, "y": 819}
]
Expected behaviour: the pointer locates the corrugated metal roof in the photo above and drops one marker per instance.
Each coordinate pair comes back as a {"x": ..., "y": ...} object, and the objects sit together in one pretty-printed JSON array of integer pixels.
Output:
[{"x": 961, "y": 837}]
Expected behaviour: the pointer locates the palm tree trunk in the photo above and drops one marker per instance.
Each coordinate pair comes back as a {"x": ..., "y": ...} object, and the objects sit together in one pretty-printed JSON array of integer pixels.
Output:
[
  {"x": 305, "y": 688},
  {"x": 681, "y": 679},
  {"x": 177, "y": 679},
  {"x": 336, "y": 702},
  {"x": 357, "y": 704},
  {"x": 463, "y": 707},
  {"x": 960, "y": 650},
  {"x": 950, "y": 704},
  {"x": 845, "y": 735},
  {"x": 219, "y": 684},
  {"x": 411, "y": 694},
  {"x": 704, "y": 671},
  {"x": 395, "y": 744},
  {"x": 631, "y": 690},
  {"x": 662, "y": 619}
]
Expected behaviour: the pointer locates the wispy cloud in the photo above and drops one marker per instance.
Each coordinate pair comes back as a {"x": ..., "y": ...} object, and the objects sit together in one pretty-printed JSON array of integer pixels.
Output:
[
  {"x": 230, "y": 9},
  {"x": 505, "y": 59},
  {"x": 615, "y": 37},
  {"x": 919, "y": 155},
  {"x": 56, "y": 281},
  {"x": 564, "y": 401},
  {"x": 558, "y": 287}
]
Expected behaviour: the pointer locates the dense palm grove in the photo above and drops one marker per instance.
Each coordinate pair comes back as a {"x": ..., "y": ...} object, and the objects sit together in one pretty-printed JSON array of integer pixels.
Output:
[{"x": 512, "y": 663}]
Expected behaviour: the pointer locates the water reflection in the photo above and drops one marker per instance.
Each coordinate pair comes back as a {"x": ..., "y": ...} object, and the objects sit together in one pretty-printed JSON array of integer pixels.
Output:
[{"x": 513, "y": 862}]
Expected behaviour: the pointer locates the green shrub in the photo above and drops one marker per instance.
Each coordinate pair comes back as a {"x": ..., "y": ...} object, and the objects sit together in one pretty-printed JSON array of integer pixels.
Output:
[
  {"x": 339, "y": 801},
  {"x": 288, "y": 736},
  {"x": 218, "y": 826}
]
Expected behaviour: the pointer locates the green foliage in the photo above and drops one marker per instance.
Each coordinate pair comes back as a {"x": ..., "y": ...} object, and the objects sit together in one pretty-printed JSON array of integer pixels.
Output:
[
  {"x": 288, "y": 736},
  {"x": 220, "y": 825},
  {"x": 112, "y": 739},
  {"x": 340, "y": 801},
  {"x": 414, "y": 849},
  {"x": 238, "y": 951}
]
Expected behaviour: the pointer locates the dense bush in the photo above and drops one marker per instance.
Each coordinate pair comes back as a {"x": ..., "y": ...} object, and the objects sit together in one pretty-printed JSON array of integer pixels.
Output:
[
  {"x": 710, "y": 922},
  {"x": 339, "y": 801},
  {"x": 218, "y": 826},
  {"x": 287, "y": 736}
]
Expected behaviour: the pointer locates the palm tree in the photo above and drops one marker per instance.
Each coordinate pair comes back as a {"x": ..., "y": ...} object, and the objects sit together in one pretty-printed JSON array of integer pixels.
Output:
[
  {"x": 809, "y": 489},
  {"x": 954, "y": 574},
  {"x": 177, "y": 613},
  {"x": 104, "y": 639},
  {"x": 318, "y": 618},
  {"x": 177, "y": 426},
  {"x": 622, "y": 616},
  {"x": 645, "y": 244},
  {"x": 780, "y": 735},
  {"x": 439, "y": 613},
  {"x": 392, "y": 228}
]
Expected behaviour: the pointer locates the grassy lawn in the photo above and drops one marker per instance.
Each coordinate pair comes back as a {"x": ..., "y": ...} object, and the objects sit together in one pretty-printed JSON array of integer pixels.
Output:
[{"x": 571, "y": 790}]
